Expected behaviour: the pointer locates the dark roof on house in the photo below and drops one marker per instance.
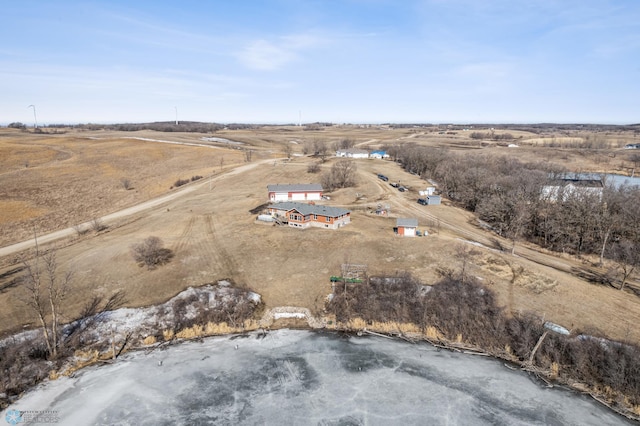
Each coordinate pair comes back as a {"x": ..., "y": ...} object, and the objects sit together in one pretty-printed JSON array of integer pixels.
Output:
[
  {"x": 306, "y": 209},
  {"x": 407, "y": 223},
  {"x": 295, "y": 187},
  {"x": 586, "y": 183}
]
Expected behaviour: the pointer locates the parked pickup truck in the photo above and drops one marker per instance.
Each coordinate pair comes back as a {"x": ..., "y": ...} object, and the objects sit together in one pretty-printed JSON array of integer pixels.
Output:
[{"x": 422, "y": 201}]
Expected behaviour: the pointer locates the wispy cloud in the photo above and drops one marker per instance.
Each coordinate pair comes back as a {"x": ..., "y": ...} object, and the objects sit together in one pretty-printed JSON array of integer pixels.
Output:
[{"x": 265, "y": 55}]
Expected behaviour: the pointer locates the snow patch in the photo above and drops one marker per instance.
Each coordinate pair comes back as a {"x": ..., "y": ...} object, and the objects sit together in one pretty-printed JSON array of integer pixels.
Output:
[{"x": 278, "y": 315}]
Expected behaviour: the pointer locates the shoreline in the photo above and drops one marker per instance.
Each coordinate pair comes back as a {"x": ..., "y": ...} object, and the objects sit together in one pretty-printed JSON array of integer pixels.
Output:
[{"x": 511, "y": 363}]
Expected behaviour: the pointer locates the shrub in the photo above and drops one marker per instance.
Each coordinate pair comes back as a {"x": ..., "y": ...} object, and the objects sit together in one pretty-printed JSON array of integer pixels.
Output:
[
  {"x": 151, "y": 253},
  {"x": 126, "y": 183},
  {"x": 313, "y": 168},
  {"x": 97, "y": 225},
  {"x": 180, "y": 182},
  {"x": 195, "y": 178}
]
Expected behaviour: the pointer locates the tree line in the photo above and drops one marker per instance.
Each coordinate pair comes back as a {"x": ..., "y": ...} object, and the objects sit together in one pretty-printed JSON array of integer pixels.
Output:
[{"x": 509, "y": 196}]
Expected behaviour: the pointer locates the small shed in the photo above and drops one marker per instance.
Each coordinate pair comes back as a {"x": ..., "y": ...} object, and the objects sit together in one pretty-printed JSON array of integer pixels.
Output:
[
  {"x": 434, "y": 200},
  {"x": 406, "y": 227},
  {"x": 429, "y": 190}
]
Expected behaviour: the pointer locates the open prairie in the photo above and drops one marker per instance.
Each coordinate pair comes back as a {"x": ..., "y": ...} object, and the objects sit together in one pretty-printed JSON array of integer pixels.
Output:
[{"x": 53, "y": 181}]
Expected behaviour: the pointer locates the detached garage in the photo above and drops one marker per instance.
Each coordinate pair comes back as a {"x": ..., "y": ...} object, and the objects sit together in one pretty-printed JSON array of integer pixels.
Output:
[
  {"x": 434, "y": 200},
  {"x": 295, "y": 192},
  {"x": 406, "y": 227}
]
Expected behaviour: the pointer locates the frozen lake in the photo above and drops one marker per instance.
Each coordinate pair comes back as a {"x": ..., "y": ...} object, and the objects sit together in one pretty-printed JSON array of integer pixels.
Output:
[{"x": 295, "y": 377}]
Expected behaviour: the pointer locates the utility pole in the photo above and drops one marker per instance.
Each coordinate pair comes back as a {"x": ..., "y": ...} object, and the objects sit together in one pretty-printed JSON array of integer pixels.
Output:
[{"x": 176, "y": 108}]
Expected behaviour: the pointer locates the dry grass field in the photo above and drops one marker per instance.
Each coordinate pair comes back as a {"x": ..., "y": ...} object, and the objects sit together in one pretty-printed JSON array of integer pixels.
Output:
[{"x": 56, "y": 181}]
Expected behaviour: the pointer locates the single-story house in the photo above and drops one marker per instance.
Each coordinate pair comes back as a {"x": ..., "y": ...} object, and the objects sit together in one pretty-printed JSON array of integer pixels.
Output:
[
  {"x": 560, "y": 189},
  {"x": 301, "y": 215},
  {"x": 295, "y": 192},
  {"x": 352, "y": 153},
  {"x": 379, "y": 155},
  {"x": 406, "y": 227}
]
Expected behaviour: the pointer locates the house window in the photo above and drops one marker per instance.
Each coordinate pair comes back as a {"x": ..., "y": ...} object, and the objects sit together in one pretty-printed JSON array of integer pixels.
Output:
[
  {"x": 327, "y": 218},
  {"x": 315, "y": 217}
]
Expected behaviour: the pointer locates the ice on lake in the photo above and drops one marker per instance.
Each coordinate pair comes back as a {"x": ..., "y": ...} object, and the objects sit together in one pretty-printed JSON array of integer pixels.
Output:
[{"x": 295, "y": 377}]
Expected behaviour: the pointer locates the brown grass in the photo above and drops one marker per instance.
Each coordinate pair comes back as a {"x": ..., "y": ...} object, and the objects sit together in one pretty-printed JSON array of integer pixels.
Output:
[{"x": 214, "y": 236}]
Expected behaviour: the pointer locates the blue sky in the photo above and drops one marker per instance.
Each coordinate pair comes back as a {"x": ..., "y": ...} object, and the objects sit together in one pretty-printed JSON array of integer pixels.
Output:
[{"x": 358, "y": 61}]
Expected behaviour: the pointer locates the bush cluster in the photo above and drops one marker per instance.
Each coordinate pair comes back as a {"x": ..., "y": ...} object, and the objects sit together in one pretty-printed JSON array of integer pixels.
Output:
[
  {"x": 151, "y": 253},
  {"x": 197, "y": 309},
  {"x": 180, "y": 182}
]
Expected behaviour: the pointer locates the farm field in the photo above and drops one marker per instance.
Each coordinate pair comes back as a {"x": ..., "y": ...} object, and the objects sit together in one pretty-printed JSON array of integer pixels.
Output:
[{"x": 54, "y": 181}]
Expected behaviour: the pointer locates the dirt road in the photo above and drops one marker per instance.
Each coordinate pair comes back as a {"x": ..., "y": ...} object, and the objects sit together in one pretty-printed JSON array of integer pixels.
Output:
[{"x": 67, "y": 232}]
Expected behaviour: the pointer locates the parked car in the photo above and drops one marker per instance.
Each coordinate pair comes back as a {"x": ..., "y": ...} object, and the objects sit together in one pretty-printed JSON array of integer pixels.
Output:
[
  {"x": 422, "y": 201},
  {"x": 382, "y": 177},
  {"x": 402, "y": 188},
  {"x": 395, "y": 185}
]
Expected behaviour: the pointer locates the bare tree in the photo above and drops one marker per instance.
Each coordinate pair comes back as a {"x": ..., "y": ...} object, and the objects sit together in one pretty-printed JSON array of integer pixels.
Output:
[
  {"x": 346, "y": 143},
  {"x": 288, "y": 150},
  {"x": 320, "y": 148},
  {"x": 627, "y": 257},
  {"x": 46, "y": 290},
  {"x": 151, "y": 253},
  {"x": 517, "y": 222},
  {"x": 464, "y": 254},
  {"x": 307, "y": 147},
  {"x": 341, "y": 175}
]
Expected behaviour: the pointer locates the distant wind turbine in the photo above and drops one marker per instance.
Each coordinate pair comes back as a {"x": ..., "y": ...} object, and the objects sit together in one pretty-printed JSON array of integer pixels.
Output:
[{"x": 35, "y": 119}]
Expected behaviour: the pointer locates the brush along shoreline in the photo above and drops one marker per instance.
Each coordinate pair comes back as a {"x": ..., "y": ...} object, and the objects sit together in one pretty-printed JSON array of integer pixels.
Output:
[{"x": 186, "y": 317}]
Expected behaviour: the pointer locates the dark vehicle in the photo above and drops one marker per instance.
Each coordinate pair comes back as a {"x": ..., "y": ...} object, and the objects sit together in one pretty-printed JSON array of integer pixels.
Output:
[
  {"x": 402, "y": 188},
  {"x": 382, "y": 177},
  {"x": 395, "y": 185},
  {"x": 422, "y": 201}
]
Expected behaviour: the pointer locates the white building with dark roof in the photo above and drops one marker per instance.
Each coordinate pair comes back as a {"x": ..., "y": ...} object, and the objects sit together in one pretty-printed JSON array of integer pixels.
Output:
[
  {"x": 352, "y": 153},
  {"x": 561, "y": 189},
  {"x": 295, "y": 192}
]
